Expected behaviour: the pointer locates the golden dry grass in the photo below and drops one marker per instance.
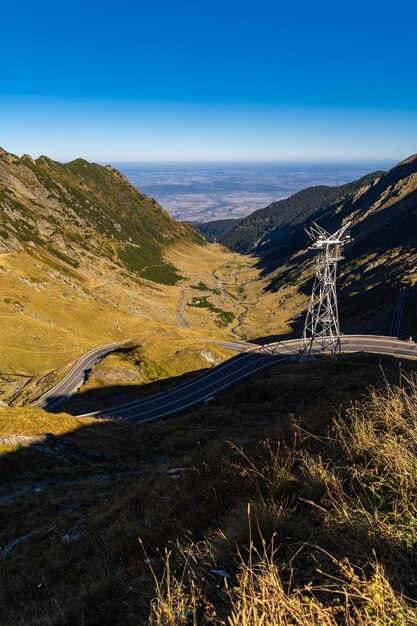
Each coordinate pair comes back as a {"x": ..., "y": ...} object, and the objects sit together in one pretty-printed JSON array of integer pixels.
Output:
[
  {"x": 30, "y": 421},
  {"x": 330, "y": 531},
  {"x": 51, "y": 314},
  {"x": 322, "y": 536}
]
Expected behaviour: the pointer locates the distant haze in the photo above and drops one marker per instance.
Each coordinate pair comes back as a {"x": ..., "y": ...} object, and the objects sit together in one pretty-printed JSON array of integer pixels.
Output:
[{"x": 201, "y": 192}]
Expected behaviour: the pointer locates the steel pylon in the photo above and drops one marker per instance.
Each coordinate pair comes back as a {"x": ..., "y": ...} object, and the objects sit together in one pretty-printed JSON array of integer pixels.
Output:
[{"x": 321, "y": 328}]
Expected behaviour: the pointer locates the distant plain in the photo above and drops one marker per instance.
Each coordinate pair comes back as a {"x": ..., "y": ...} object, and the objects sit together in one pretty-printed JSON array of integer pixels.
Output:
[{"x": 200, "y": 192}]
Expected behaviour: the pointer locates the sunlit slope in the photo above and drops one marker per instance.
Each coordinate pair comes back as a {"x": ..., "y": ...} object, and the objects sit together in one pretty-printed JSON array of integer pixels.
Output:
[
  {"x": 86, "y": 259},
  {"x": 80, "y": 209}
]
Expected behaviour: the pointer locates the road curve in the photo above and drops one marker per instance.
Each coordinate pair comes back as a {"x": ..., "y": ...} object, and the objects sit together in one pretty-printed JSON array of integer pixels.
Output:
[
  {"x": 70, "y": 383},
  {"x": 211, "y": 383}
]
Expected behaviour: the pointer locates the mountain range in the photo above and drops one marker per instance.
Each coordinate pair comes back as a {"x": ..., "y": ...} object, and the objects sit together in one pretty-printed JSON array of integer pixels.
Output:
[
  {"x": 296, "y": 487},
  {"x": 380, "y": 262},
  {"x": 87, "y": 259},
  {"x": 65, "y": 209}
]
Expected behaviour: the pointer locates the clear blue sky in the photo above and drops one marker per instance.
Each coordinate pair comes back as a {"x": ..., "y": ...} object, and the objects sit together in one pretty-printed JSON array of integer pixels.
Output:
[{"x": 218, "y": 80}]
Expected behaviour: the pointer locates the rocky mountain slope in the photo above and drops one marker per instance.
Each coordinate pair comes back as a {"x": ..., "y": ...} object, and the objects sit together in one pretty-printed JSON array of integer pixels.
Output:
[
  {"x": 77, "y": 210},
  {"x": 85, "y": 260},
  {"x": 380, "y": 262}
]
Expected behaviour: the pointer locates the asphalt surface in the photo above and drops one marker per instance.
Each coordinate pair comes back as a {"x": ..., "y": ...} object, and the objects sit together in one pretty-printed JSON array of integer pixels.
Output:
[
  {"x": 207, "y": 386},
  {"x": 398, "y": 312},
  {"x": 75, "y": 377},
  {"x": 180, "y": 318},
  {"x": 204, "y": 388}
]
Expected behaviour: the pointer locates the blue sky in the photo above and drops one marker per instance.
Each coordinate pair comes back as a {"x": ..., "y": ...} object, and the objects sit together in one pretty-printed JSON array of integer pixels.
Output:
[{"x": 219, "y": 80}]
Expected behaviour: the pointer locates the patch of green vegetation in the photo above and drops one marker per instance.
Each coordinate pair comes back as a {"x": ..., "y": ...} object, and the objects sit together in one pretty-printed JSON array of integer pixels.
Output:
[
  {"x": 165, "y": 274},
  {"x": 11, "y": 301},
  {"x": 224, "y": 318},
  {"x": 290, "y": 277},
  {"x": 203, "y": 303},
  {"x": 200, "y": 286},
  {"x": 146, "y": 261},
  {"x": 203, "y": 287}
]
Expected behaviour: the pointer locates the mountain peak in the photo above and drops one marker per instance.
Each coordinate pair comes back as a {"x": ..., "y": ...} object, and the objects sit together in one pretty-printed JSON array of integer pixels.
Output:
[
  {"x": 409, "y": 159},
  {"x": 80, "y": 202},
  {"x": 403, "y": 169},
  {"x": 117, "y": 173}
]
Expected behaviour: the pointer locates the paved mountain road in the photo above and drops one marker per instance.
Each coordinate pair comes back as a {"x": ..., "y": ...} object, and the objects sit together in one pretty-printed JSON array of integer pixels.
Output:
[
  {"x": 253, "y": 358},
  {"x": 398, "y": 312},
  {"x": 211, "y": 383},
  {"x": 70, "y": 383},
  {"x": 180, "y": 318},
  {"x": 75, "y": 377}
]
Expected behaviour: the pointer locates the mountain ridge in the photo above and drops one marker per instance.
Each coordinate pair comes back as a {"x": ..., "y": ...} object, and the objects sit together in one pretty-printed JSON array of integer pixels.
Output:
[
  {"x": 82, "y": 200},
  {"x": 255, "y": 229},
  {"x": 380, "y": 261}
]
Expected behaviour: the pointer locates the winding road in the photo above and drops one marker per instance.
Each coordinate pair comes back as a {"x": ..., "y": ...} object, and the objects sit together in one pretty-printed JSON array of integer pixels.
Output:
[
  {"x": 180, "y": 318},
  {"x": 75, "y": 377},
  {"x": 206, "y": 386}
]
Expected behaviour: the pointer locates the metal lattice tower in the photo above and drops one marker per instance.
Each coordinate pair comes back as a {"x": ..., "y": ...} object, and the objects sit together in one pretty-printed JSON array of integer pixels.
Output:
[{"x": 321, "y": 328}]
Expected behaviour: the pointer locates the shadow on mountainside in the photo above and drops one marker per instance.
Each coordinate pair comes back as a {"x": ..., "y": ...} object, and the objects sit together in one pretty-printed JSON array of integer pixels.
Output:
[
  {"x": 105, "y": 396},
  {"x": 355, "y": 314},
  {"x": 86, "y": 400},
  {"x": 75, "y": 500},
  {"x": 393, "y": 226}
]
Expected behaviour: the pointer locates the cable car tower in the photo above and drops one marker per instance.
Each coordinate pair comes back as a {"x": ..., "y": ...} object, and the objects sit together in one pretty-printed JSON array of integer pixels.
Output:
[{"x": 321, "y": 328}]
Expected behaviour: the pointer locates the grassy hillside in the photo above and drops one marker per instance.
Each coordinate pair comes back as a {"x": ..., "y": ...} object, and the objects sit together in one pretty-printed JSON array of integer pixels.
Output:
[
  {"x": 305, "y": 502},
  {"x": 69, "y": 209},
  {"x": 86, "y": 259}
]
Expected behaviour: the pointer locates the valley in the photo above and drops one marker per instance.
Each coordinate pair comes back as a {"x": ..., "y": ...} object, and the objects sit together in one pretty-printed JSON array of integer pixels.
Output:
[
  {"x": 226, "y": 449},
  {"x": 62, "y": 297}
]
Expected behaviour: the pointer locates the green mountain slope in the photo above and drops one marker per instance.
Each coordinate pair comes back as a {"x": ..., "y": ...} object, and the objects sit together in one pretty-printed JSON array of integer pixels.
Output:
[
  {"x": 217, "y": 230},
  {"x": 67, "y": 209},
  {"x": 86, "y": 260}
]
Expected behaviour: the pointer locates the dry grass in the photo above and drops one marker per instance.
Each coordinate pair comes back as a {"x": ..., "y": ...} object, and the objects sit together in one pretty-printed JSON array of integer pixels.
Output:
[
  {"x": 32, "y": 422},
  {"x": 52, "y": 314},
  {"x": 321, "y": 543},
  {"x": 329, "y": 536}
]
